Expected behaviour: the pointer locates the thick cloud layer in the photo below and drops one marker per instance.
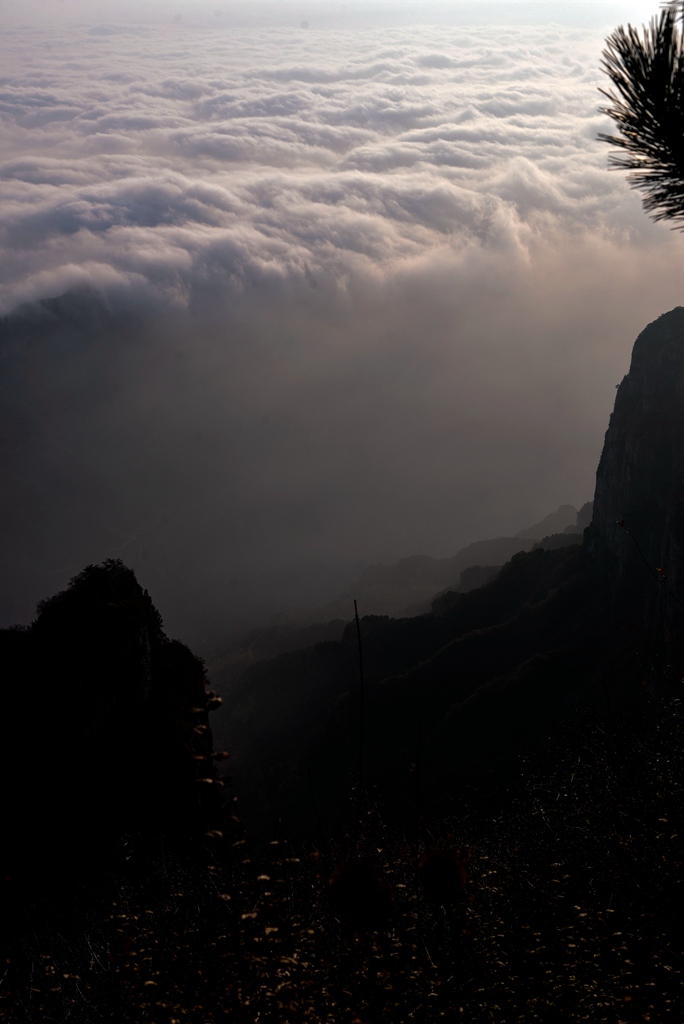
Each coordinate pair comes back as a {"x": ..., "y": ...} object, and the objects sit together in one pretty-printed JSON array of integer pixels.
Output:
[{"x": 365, "y": 294}]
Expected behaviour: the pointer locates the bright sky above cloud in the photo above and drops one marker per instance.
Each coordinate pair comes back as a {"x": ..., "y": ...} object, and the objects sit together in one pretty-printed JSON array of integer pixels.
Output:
[
  {"x": 401, "y": 277},
  {"x": 326, "y": 12}
]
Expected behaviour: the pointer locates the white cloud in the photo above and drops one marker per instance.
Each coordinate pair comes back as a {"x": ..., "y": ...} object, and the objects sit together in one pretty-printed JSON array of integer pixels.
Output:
[{"x": 428, "y": 148}]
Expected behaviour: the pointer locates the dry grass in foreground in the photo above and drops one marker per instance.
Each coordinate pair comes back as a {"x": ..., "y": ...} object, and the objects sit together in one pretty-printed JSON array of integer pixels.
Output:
[{"x": 571, "y": 911}]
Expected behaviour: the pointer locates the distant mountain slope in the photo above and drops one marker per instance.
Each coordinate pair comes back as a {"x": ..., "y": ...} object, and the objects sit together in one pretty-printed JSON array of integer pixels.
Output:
[
  {"x": 556, "y": 522},
  {"x": 403, "y": 588},
  {"x": 413, "y": 581},
  {"x": 408, "y": 586}
]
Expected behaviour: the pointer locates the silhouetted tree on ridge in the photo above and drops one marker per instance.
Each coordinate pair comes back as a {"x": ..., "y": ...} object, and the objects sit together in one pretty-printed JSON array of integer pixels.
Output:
[{"x": 103, "y": 728}]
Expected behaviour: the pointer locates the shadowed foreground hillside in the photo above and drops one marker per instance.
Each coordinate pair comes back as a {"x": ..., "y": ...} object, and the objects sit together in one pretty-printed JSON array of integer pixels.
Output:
[{"x": 571, "y": 910}]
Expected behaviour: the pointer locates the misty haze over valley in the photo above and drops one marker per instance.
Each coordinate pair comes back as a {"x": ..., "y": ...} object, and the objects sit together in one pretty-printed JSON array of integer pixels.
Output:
[{"x": 281, "y": 303}]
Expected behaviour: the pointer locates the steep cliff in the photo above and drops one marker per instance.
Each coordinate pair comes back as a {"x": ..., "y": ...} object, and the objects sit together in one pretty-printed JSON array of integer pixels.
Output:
[{"x": 637, "y": 530}]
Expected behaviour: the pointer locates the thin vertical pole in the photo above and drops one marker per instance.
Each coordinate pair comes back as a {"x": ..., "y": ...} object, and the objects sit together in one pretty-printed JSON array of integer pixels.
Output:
[
  {"x": 315, "y": 805},
  {"x": 417, "y": 772},
  {"x": 361, "y": 695}
]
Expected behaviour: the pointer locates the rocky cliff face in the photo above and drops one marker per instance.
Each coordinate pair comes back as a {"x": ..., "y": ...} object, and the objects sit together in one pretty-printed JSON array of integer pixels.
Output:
[{"x": 637, "y": 530}]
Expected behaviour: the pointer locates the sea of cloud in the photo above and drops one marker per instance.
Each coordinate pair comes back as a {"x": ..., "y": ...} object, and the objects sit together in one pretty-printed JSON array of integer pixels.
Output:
[
  {"x": 380, "y": 282},
  {"x": 179, "y": 159}
]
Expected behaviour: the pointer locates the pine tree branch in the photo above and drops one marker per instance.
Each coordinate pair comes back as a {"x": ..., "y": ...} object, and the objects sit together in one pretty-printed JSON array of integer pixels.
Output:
[{"x": 647, "y": 105}]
